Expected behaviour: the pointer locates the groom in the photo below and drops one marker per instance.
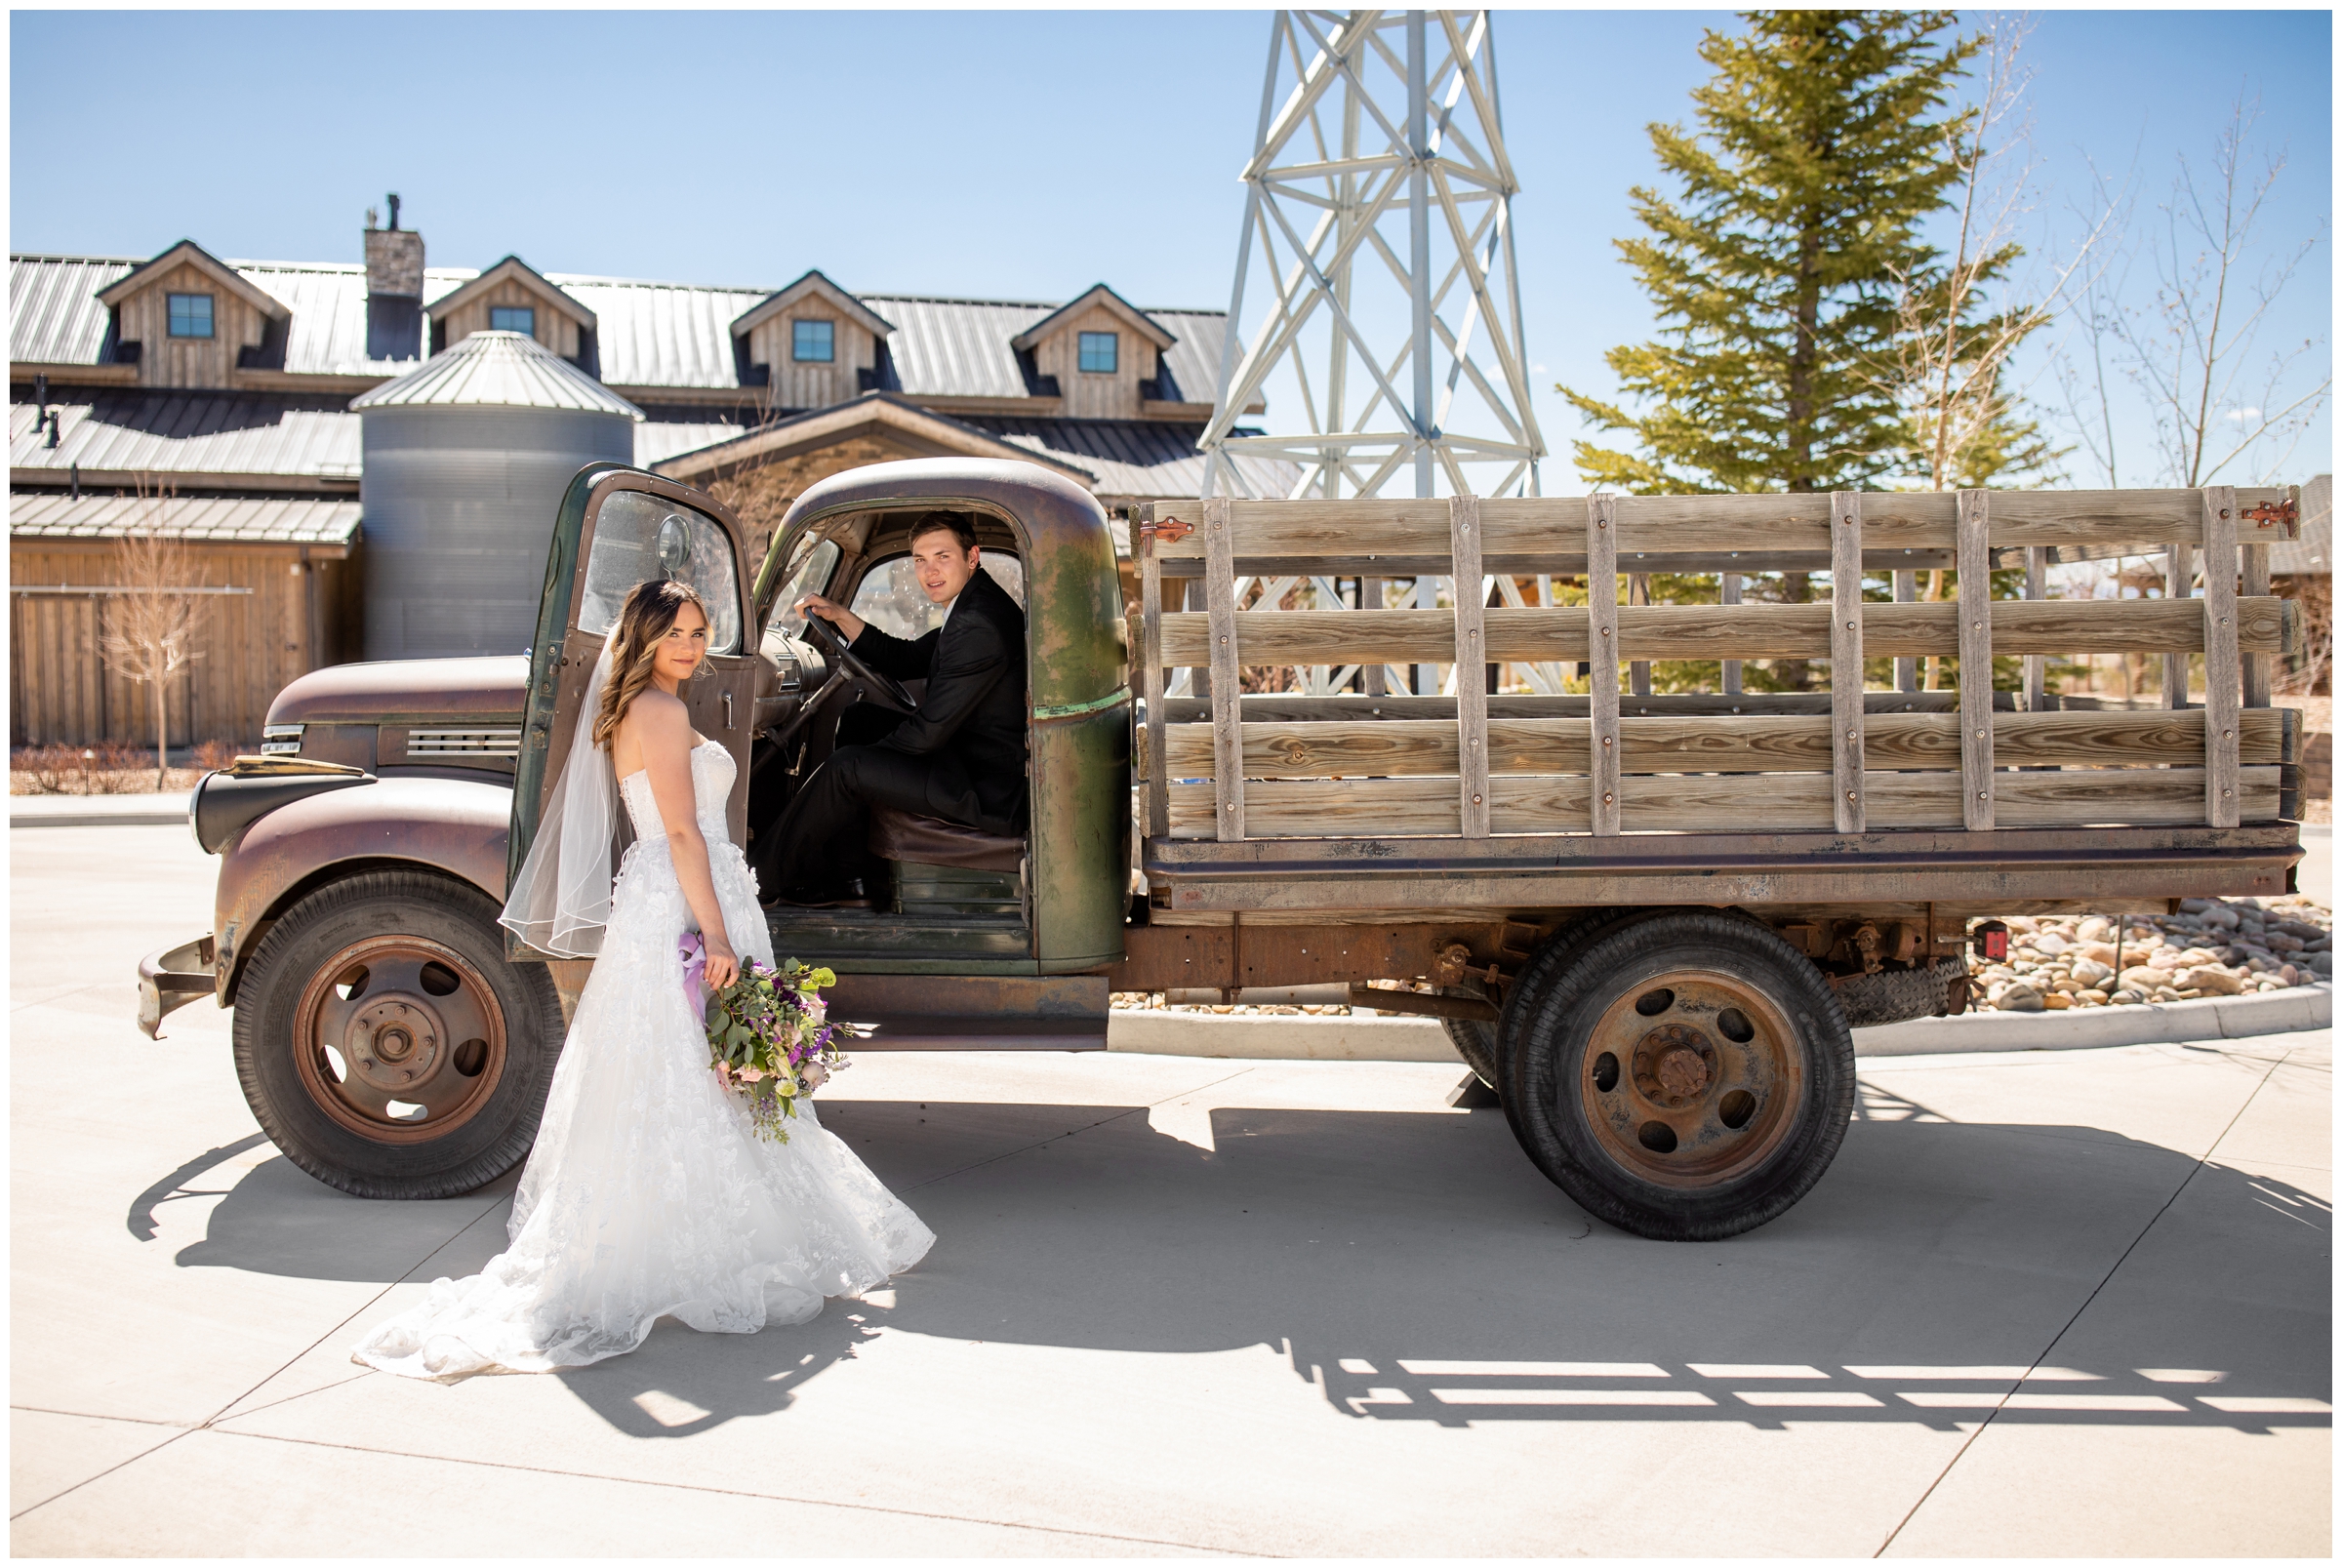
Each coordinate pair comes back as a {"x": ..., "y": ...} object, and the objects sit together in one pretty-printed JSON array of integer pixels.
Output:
[{"x": 961, "y": 757}]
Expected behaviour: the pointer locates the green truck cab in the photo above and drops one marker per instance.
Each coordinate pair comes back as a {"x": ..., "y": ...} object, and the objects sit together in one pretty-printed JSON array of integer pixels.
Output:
[{"x": 1665, "y": 1016}]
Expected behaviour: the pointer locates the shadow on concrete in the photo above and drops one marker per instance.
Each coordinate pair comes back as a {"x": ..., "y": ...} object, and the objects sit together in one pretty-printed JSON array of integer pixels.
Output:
[{"x": 1416, "y": 1267}]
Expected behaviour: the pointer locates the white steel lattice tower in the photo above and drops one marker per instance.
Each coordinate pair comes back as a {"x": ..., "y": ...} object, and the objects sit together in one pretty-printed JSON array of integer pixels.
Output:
[{"x": 1379, "y": 209}]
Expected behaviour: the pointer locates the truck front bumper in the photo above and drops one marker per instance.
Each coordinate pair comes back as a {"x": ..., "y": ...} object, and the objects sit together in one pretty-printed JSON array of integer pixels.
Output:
[{"x": 171, "y": 978}]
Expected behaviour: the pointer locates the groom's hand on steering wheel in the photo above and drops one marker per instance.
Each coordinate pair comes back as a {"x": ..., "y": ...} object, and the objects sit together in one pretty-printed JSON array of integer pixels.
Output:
[{"x": 848, "y": 624}]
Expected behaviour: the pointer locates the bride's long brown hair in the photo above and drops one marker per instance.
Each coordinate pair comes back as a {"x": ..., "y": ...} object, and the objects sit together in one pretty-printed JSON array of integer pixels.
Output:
[{"x": 650, "y": 611}]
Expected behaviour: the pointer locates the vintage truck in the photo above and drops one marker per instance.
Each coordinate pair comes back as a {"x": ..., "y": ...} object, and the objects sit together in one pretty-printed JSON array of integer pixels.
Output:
[{"x": 1647, "y": 921}]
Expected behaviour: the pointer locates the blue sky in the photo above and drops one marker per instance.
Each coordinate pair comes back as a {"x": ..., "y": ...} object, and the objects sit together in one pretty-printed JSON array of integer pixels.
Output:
[{"x": 1009, "y": 154}]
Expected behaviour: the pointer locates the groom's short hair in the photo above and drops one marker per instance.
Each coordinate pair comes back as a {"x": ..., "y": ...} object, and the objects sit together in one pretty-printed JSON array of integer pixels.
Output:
[{"x": 951, "y": 523}]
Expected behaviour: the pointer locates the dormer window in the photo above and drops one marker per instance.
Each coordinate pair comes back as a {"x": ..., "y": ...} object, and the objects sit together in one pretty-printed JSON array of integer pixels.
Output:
[
  {"x": 190, "y": 315},
  {"x": 520, "y": 318},
  {"x": 812, "y": 343},
  {"x": 1100, "y": 354}
]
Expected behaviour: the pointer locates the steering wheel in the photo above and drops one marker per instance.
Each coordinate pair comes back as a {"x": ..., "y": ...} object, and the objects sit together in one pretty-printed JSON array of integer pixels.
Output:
[{"x": 844, "y": 660}]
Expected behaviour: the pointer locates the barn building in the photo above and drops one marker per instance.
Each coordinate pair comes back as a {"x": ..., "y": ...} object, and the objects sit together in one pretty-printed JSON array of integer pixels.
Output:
[{"x": 225, "y": 390}]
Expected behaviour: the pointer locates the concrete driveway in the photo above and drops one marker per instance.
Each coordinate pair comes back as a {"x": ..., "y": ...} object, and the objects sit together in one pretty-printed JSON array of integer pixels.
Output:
[{"x": 2073, "y": 1303}]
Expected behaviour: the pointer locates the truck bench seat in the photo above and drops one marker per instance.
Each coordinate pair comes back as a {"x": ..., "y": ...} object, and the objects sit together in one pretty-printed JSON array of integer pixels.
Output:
[{"x": 902, "y": 835}]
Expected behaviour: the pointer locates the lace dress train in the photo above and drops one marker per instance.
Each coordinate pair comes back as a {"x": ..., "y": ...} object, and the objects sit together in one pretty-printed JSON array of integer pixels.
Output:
[{"x": 648, "y": 1194}]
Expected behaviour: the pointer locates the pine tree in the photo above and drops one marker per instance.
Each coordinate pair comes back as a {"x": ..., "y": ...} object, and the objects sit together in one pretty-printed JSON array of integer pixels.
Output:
[
  {"x": 1822, "y": 146},
  {"x": 1779, "y": 277}
]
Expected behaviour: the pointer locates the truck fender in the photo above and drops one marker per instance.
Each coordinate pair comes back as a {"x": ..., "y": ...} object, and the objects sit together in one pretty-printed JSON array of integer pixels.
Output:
[{"x": 455, "y": 826}]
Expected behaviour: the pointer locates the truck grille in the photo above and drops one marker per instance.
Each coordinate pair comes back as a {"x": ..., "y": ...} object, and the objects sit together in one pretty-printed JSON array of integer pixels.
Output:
[
  {"x": 491, "y": 742},
  {"x": 280, "y": 739}
]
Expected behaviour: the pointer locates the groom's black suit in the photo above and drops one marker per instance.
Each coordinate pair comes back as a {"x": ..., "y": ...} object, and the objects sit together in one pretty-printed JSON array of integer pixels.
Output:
[{"x": 960, "y": 757}]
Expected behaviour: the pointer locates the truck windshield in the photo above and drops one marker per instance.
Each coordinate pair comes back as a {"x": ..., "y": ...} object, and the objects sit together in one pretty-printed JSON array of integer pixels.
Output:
[
  {"x": 637, "y": 537},
  {"x": 812, "y": 574}
]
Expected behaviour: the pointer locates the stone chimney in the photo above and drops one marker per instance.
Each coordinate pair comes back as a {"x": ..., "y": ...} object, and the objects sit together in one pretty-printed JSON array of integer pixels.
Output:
[{"x": 394, "y": 289}]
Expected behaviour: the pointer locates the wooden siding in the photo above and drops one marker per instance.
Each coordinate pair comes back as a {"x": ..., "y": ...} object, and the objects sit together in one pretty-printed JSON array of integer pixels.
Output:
[
  {"x": 1091, "y": 395},
  {"x": 555, "y": 327},
  {"x": 168, "y": 361},
  {"x": 59, "y": 691},
  {"x": 813, "y": 385}
]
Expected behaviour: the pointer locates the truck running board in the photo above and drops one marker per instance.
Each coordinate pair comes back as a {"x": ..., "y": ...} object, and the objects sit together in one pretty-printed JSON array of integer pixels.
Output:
[{"x": 975, "y": 1012}]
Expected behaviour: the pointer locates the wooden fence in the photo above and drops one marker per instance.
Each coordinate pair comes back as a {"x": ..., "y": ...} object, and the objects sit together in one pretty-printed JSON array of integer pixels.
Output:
[{"x": 1475, "y": 764}]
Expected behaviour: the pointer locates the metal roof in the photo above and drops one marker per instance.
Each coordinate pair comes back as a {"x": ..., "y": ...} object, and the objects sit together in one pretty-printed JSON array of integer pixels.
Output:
[
  {"x": 650, "y": 334},
  {"x": 305, "y": 434},
  {"x": 276, "y": 520},
  {"x": 1138, "y": 457},
  {"x": 497, "y": 370},
  {"x": 657, "y": 440}
]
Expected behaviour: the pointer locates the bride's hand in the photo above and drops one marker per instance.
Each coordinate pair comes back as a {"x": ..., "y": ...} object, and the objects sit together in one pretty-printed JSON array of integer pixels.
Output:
[{"x": 722, "y": 967}]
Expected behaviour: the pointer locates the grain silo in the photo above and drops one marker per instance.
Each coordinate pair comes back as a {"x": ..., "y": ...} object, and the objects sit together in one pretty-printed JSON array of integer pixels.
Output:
[{"x": 466, "y": 458}]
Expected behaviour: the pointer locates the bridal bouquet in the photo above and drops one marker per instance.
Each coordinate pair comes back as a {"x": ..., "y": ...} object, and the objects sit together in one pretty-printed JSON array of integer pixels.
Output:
[{"x": 770, "y": 1038}]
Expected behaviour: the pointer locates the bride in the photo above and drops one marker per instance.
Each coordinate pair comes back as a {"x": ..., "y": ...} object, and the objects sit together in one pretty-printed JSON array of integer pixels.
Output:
[{"x": 648, "y": 1194}]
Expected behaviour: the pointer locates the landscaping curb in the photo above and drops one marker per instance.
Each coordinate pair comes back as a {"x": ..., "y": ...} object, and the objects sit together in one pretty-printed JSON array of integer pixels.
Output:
[
  {"x": 95, "y": 811},
  {"x": 1303, "y": 1037}
]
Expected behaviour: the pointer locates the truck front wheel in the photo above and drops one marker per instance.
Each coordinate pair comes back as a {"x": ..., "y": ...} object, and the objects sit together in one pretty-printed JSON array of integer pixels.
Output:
[
  {"x": 1686, "y": 1077},
  {"x": 387, "y": 1047}
]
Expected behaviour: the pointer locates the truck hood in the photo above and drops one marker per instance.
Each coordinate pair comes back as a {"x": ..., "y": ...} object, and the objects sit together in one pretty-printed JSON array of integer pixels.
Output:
[{"x": 493, "y": 687}]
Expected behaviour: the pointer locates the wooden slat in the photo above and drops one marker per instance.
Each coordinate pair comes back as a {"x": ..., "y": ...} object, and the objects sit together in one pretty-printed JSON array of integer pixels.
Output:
[
  {"x": 1472, "y": 666},
  {"x": 1845, "y": 661},
  {"x": 1792, "y": 802},
  {"x": 1729, "y": 592},
  {"x": 1150, "y": 659},
  {"x": 1370, "y": 597},
  {"x": 1220, "y": 613},
  {"x": 2036, "y": 666},
  {"x": 1711, "y": 632},
  {"x": 2256, "y": 585},
  {"x": 1365, "y": 530},
  {"x": 2179, "y": 585},
  {"x": 1975, "y": 611},
  {"x": 1907, "y": 668},
  {"x": 2222, "y": 672},
  {"x": 1639, "y": 670},
  {"x": 1767, "y": 742},
  {"x": 1601, "y": 605}
]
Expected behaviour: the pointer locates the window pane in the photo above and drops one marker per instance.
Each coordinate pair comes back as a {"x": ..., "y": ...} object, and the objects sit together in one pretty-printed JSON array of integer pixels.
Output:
[
  {"x": 811, "y": 575},
  {"x": 891, "y": 599},
  {"x": 190, "y": 315},
  {"x": 512, "y": 318},
  {"x": 632, "y": 542},
  {"x": 1099, "y": 354},
  {"x": 814, "y": 342}
]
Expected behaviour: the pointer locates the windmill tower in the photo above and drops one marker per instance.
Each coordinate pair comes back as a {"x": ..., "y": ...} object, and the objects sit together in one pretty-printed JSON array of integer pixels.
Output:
[{"x": 1377, "y": 250}]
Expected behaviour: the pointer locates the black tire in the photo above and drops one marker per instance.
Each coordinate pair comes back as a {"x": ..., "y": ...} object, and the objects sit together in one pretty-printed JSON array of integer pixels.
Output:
[
  {"x": 1572, "y": 935},
  {"x": 1475, "y": 1041},
  {"x": 438, "y": 931},
  {"x": 1624, "y": 1057},
  {"x": 1895, "y": 994}
]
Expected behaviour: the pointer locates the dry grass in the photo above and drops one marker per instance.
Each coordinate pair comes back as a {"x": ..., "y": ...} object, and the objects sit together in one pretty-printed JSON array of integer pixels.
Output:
[{"x": 108, "y": 768}]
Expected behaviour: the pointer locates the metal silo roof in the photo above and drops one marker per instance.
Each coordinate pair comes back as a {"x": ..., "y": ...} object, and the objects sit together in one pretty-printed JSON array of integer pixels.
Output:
[{"x": 498, "y": 370}]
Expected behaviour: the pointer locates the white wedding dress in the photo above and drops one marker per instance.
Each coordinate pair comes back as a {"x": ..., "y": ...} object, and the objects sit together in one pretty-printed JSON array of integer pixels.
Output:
[{"x": 648, "y": 1194}]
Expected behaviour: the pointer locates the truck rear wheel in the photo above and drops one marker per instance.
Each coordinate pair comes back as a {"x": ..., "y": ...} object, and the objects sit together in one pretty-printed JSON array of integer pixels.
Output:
[
  {"x": 385, "y": 1044},
  {"x": 1686, "y": 1076}
]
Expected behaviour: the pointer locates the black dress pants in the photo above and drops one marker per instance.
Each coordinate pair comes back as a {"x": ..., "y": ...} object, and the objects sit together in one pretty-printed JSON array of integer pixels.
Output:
[{"x": 820, "y": 843}]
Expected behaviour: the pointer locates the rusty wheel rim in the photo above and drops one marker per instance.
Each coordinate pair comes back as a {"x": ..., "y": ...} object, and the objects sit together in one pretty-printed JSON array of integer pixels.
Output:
[
  {"x": 1691, "y": 1078},
  {"x": 399, "y": 1039}
]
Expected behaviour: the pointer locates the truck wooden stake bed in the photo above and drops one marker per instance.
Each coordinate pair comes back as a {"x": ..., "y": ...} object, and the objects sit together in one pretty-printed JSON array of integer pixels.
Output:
[{"x": 1649, "y": 922}]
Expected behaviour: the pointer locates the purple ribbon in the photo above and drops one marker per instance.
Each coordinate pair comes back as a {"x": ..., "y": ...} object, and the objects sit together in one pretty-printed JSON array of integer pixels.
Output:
[{"x": 695, "y": 964}]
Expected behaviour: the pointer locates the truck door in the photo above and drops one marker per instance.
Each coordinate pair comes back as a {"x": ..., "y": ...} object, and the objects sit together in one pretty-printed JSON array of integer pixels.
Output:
[{"x": 618, "y": 526}]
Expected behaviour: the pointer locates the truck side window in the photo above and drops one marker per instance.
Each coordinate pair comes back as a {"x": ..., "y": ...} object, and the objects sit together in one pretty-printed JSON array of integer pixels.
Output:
[
  {"x": 638, "y": 536},
  {"x": 891, "y": 599},
  {"x": 811, "y": 575}
]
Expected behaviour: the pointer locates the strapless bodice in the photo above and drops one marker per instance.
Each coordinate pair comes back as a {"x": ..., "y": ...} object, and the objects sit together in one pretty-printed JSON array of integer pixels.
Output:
[{"x": 711, "y": 772}]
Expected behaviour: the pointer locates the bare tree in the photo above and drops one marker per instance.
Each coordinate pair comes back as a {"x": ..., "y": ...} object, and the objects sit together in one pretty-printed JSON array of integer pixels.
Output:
[
  {"x": 156, "y": 620},
  {"x": 1956, "y": 343},
  {"x": 1957, "y": 338},
  {"x": 2217, "y": 401}
]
